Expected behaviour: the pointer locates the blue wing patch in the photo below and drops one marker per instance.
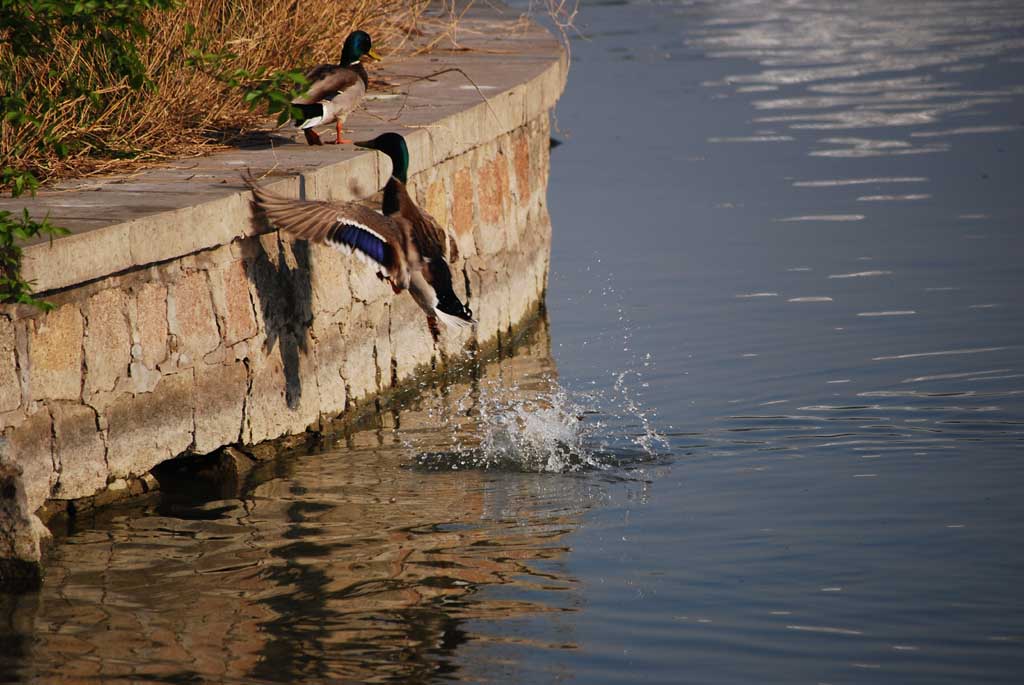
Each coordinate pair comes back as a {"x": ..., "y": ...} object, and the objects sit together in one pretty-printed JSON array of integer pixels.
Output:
[{"x": 359, "y": 239}]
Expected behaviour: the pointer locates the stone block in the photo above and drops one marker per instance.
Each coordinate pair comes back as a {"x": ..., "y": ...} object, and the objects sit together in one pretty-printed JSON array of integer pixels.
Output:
[
  {"x": 463, "y": 202},
  {"x": 329, "y": 349},
  {"x": 107, "y": 340},
  {"x": 231, "y": 294},
  {"x": 367, "y": 365},
  {"x": 219, "y": 402},
  {"x": 354, "y": 180},
  {"x": 494, "y": 190},
  {"x": 151, "y": 323},
  {"x": 77, "y": 258},
  {"x": 521, "y": 161},
  {"x": 435, "y": 202},
  {"x": 10, "y": 381},
  {"x": 30, "y": 445},
  {"x": 282, "y": 396},
  {"x": 540, "y": 143},
  {"x": 199, "y": 225},
  {"x": 412, "y": 345},
  {"x": 360, "y": 368},
  {"x": 22, "y": 535},
  {"x": 190, "y": 316},
  {"x": 146, "y": 429},
  {"x": 487, "y": 305},
  {"x": 80, "y": 450},
  {"x": 55, "y": 355},
  {"x": 330, "y": 280},
  {"x": 364, "y": 283}
]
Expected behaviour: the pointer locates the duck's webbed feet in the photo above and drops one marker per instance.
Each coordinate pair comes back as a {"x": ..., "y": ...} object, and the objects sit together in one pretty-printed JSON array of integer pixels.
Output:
[
  {"x": 339, "y": 140},
  {"x": 312, "y": 137}
]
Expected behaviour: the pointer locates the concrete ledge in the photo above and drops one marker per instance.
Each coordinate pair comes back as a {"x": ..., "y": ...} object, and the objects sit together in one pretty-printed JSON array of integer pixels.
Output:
[{"x": 181, "y": 326}]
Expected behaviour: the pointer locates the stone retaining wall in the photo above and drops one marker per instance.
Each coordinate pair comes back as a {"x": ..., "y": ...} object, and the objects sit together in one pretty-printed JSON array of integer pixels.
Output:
[{"x": 257, "y": 337}]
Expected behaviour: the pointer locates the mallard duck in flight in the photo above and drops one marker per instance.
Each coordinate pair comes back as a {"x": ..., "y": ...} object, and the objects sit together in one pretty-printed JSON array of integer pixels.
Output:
[
  {"x": 437, "y": 247},
  {"x": 336, "y": 89},
  {"x": 411, "y": 254}
]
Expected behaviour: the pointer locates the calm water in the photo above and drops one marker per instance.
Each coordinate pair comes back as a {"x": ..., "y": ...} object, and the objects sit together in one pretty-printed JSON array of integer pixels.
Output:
[{"x": 773, "y": 434}]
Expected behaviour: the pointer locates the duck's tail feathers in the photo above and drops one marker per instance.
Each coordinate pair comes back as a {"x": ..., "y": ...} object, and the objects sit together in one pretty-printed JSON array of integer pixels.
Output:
[
  {"x": 449, "y": 307},
  {"x": 454, "y": 321},
  {"x": 312, "y": 114}
]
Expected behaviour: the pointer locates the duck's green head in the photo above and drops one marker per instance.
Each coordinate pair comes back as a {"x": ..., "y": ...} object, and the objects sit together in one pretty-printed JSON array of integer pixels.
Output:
[
  {"x": 357, "y": 44},
  {"x": 393, "y": 145}
]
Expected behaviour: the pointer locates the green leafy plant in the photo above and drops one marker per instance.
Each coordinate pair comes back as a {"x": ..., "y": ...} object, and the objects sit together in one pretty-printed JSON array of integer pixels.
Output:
[
  {"x": 14, "y": 229},
  {"x": 273, "y": 89}
]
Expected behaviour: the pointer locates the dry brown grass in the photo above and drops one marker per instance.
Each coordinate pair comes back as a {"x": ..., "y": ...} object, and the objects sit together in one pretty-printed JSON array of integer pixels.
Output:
[{"x": 189, "y": 112}]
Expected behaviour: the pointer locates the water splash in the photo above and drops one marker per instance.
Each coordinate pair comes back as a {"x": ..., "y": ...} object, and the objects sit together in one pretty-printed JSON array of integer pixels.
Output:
[{"x": 541, "y": 427}]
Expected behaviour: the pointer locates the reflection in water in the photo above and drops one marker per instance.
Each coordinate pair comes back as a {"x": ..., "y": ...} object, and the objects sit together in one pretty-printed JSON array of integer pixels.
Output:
[{"x": 343, "y": 565}]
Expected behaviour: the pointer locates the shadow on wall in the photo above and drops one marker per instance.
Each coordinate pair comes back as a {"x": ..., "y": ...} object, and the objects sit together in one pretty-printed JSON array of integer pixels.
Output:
[{"x": 285, "y": 294}]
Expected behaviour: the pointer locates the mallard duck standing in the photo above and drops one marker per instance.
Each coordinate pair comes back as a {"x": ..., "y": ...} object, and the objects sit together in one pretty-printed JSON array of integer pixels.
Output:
[
  {"x": 336, "y": 89},
  {"x": 410, "y": 258}
]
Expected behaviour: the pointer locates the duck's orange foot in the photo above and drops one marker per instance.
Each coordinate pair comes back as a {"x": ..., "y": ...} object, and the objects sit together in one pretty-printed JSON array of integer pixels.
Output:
[
  {"x": 311, "y": 137},
  {"x": 339, "y": 140}
]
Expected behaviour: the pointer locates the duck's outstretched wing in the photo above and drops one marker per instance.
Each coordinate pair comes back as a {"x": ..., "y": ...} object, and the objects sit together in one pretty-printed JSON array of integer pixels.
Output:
[{"x": 345, "y": 226}]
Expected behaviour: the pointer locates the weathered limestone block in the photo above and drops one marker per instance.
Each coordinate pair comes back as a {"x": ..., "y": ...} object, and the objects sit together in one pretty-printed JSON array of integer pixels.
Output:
[
  {"x": 521, "y": 161},
  {"x": 30, "y": 444},
  {"x": 435, "y": 202},
  {"x": 107, "y": 341},
  {"x": 489, "y": 234},
  {"x": 22, "y": 535},
  {"x": 490, "y": 303},
  {"x": 55, "y": 355},
  {"x": 411, "y": 343},
  {"x": 151, "y": 323},
  {"x": 219, "y": 402},
  {"x": 360, "y": 368},
  {"x": 190, "y": 317},
  {"x": 145, "y": 429},
  {"x": 367, "y": 365},
  {"x": 330, "y": 349},
  {"x": 80, "y": 449},
  {"x": 10, "y": 382},
  {"x": 540, "y": 142},
  {"x": 331, "y": 290},
  {"x": 365, "y": 285},
  {"x": 231, "y": 295},
  {"x": 522, "y": 287},
  {"x": 282, "y": 397},
  {"x": 463, "y": 203},
  {"x": 494, "y": 189}
]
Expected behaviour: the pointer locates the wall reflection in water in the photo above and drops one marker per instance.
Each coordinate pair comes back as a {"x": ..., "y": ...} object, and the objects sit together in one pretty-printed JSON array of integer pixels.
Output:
[{"x": 346, "y": 565}]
